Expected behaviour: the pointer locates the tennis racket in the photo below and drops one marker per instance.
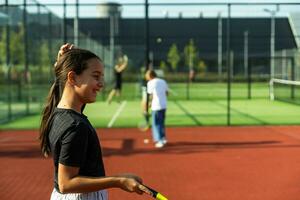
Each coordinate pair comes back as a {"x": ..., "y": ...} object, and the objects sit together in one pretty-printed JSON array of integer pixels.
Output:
[
  {"x": 144, "y": 125},
  {"x": 152, "y": 192}
]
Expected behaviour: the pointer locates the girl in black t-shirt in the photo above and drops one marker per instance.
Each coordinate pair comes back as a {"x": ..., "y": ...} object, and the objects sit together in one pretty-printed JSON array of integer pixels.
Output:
[{"x": 67, "y": 134}]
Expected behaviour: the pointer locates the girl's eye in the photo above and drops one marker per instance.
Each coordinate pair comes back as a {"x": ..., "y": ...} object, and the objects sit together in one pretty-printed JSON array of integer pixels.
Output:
[{"x": 98, "y": 78}]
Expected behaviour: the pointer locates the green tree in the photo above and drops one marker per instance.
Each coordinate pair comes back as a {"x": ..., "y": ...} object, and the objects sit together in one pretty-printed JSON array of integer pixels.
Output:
[
  {"x": 163, "y": 66},
  {"x": 190, "y": 54},
  {"x": 3, "y": 47},
  {"x": 44, "y": 58},
  {"x": 173, "y": 57},
  {"x": 17, "y": 46},
  {"x": 201, "y": 67}
]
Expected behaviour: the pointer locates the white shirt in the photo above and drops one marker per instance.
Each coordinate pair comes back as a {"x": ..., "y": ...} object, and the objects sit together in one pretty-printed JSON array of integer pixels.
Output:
[{"x": 158, "y": 88}]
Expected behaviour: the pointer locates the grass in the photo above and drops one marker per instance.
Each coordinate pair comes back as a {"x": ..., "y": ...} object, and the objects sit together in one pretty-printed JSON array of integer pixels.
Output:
[
  {"x": 185, "y": 113},
  {"x": 207, "y": 106}
]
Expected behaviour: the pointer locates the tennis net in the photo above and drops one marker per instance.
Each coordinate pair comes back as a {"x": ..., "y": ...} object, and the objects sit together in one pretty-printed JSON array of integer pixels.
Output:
[{"x": 285, "y": 90}]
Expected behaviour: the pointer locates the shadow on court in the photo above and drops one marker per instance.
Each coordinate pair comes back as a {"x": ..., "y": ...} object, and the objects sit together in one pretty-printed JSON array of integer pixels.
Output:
[
  {"x": 128, "y": 148},
  {"x": 207, "y": 163}
]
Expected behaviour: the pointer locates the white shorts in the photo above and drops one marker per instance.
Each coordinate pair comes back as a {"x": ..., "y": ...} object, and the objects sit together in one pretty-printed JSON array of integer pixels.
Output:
[{"x": 99, "y": 195}]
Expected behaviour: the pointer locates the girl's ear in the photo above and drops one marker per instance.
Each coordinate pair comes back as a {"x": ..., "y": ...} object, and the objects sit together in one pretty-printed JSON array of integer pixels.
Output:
[{"x": 71, "y": 78}]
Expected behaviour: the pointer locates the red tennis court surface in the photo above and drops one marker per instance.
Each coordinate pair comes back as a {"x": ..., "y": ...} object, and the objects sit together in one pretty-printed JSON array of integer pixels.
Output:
[{"x": 199, "y": 163}]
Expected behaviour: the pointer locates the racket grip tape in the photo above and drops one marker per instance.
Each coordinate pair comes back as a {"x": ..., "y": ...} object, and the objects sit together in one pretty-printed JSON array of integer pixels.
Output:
[{"x": 154, "y": 193}]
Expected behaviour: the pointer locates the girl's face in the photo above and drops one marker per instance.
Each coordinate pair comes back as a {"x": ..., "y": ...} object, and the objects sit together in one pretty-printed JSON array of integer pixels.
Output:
[{"x": 90, "y": 81}]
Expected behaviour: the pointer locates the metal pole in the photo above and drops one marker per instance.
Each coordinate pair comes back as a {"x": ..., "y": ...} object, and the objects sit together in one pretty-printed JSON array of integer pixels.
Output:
[
  {"x": 228, "y": 65},
  {"x": 272, "y": 44},
  {"x": 147, "y": 50},
  {"x": 284, "y": 74},
  {"x": 231, "y": 64},
  {"x": 147, "y": 34},
  {"x": 7, "y": 48},
  {"x": 40, "y": 42},
  {"x": 249, "y": 81},
  {"x": 26, "y": 71},
  {"x": 246, "y": 53},
  {"x": 65, "y": 36},
  {"x": 220, "y": 46},
  {"x": 293, "y": 78},
  {"x": 76, "y": 25},
  {"x": 247, "y": 71},
  {"x": 50, "y": 43},
  {"x": 112, "y": 44},
  {"x": 272, "y": 40}
]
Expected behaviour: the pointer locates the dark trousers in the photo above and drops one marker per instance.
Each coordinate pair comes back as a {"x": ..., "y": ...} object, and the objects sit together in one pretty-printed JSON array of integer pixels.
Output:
[{"x": 158, "y": 125}]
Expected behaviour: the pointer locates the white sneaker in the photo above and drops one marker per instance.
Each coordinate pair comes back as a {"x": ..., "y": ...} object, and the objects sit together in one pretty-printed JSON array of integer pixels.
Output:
[
  {"x": 164, "y": 141},
  {"x": 159, "y": 144}
]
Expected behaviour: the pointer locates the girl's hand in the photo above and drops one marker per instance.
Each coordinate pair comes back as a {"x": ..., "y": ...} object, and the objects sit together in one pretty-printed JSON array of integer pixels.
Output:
[
  {"x": 131, "y": 183},
  {"x": 63, "y": 49},
  {"x": 133, "y": 176}
]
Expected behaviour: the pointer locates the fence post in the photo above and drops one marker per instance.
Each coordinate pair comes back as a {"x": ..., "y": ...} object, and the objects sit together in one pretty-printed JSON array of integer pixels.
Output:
[{"x": 228, "y": 65}]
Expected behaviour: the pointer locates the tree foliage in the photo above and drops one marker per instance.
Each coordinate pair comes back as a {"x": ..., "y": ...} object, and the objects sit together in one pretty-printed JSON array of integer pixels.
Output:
[
  {"x": 17, "y": 46},
  {"x": 173, "y": 57},
  {"x": 163, "y": 66},
  {"x": 190, "y": 54}
]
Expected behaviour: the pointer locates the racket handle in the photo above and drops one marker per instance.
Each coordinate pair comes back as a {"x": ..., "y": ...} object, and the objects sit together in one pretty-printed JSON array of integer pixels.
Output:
[{"x": 154, "y": 193}]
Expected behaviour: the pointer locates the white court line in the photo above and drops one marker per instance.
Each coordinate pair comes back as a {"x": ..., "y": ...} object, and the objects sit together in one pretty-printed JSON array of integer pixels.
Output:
[{"x": 113, "y": 119}]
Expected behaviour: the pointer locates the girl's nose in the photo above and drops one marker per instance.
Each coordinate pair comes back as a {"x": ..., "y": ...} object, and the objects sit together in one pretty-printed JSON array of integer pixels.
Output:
[{"x": 100, "y": 84}]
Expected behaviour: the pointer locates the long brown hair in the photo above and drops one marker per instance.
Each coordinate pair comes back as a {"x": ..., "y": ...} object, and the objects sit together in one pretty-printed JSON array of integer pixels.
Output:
[{"x": 73, "y": 60}]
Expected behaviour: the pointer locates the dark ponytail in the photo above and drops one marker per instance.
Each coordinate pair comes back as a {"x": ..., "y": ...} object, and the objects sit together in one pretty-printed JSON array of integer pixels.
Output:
[{"x": 52, "y": 101}]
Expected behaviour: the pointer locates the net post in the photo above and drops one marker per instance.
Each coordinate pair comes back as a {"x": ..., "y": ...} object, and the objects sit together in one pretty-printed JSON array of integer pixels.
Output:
[
  {"x": 293, "y": 79},
  {"x": 271, "y": 89},
  {"x": 249, "y": 80}
]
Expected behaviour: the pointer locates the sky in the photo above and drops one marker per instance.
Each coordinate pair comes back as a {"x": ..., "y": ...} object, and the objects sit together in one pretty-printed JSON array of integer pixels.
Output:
[
  {"x": 168, "y": 1},
  {"x": 174, "y": 11}
]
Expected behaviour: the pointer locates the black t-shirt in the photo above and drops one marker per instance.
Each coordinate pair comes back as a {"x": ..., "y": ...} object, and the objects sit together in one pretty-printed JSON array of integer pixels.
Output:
[
  {"x": 118, "y": 76},
  {"x": 74, "y": 142}
]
